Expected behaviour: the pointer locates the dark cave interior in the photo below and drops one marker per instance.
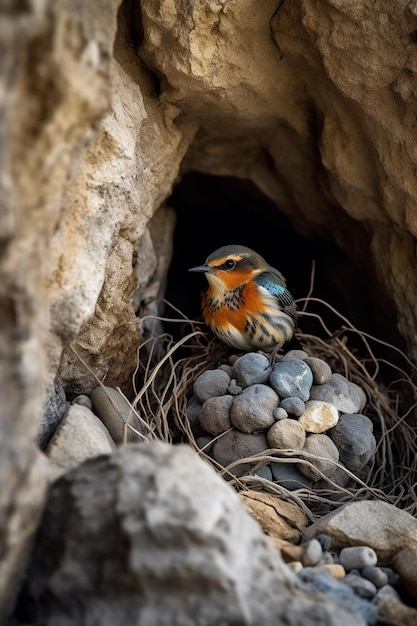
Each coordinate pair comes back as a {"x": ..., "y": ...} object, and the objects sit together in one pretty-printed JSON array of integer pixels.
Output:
[{"x": 213, "y": 211}]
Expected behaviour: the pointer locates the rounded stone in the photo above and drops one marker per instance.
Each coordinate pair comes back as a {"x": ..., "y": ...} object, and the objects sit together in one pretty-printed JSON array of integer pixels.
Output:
[
  {"x": 326, "y": 541},
  {"x": 287, "y": 475},
  {"x": 214, "y": 416},
  {"x": 321, "y": 370},
  {"x": 234, "y": 445},
  {"x": 114, "y": 411},
  {"x": 292, "y": 379},
  {"x": 291, "y": 355},
  {"x": 362, "y": 587},
  {"x": 211, "y": 383},
  {"x": 318, "y": 416},
  {"x": 193, "y": 409},
  {"x": 286, "y": 434},
  {"x": 251, "y": 368},
  {"x": 280, "y": 413},
  {"x": 334, "y": 569},
  {"x": 357, "y": 557},
  {"x": 322, "y": 447},
  {"x": 355, "y": 440},
  {"x": 312, "y": 553},
  {"x": 338, "y": 391},
  {"x": 376, "y": 575},
  {"x": 293, "y": 406},
  {"x": 253, "y": 409},
  {"x": 264, "y": 472},
  {"x": 83, "y": 400},
  {"x": 405, "y": 564},
  {"x": 205, "y": 443}
]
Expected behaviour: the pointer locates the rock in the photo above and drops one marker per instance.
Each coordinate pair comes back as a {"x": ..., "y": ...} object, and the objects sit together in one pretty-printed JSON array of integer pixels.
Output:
[
  {"x": 322, "y": 447},
  {"x": 80, "y": 435},
  {"x": 253, "y": 409},
  {"x": 287, "y": 475},
  {"x": 280, "y": 413},
  {"x": 354, "y": 439},
  {"x": 286, "y": 434},
  {"x": 405, "y": 564},
  {"x": 339, "y": 392},
  {"x": 211, "y": 383},
  {"x": 312, "y": 553},
  {"x": 292, "y": 378},
  {"x": 114, "y": 411},
  {"x": 334, "y": 569},
  {"x": 376, "y": 575},
  {"x": 83, "y": 400},
  {"x": 376, "y": 524},
  {"x": 321, "y": 579},
  {"x": 251, "y": 368},
  {"x": 320, "y": 369},
  {"x": 205, "y": 443},
  {"x": 235, "y": 445},
  {"x": 179, "y": 548},
  {"x": 357, "y": 557},
  {"x": 293, "y": 355},
  {"x": 293, "y": 406},
  {"x": 325, "y": 542},
  {"x": 318, "y": 416},
  {"x": 362, "y": 587},
  {"x": 277, "y": 518},
  {"x": 193, "y": 410},
  {"x": 53, "y": 411},
  {"x": 264, "y": 472},
  {"x": 392, "y": 610},
  {"x": 214, "y": 416}
]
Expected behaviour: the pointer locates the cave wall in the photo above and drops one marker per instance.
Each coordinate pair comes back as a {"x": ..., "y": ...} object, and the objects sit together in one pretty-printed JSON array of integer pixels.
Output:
[{"x": 313, "y": 102}]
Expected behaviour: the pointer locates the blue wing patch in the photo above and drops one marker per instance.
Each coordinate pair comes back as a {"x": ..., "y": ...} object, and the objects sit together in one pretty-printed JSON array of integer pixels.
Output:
[{"x": 272, "y": 283}]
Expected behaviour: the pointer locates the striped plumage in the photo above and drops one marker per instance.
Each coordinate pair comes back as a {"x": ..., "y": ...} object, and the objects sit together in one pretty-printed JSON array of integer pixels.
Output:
[{"x": 246, "y": 304}]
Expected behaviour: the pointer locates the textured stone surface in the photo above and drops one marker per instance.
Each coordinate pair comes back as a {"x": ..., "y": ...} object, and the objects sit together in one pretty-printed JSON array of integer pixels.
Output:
[
  {"x": 115, "y": 412},
  {"x": 323, "y": 453},
  {"x": 79, "y": 436},
  {"x": 354, "y": 438},
  {"x": 197, "y": 558},
  {"x": 253, "y": 409},
  {"x": 376, "y": 524}
]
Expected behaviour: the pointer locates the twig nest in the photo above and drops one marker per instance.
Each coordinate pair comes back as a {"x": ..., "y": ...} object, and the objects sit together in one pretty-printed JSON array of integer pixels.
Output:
[{"x": 297, "y": 405}]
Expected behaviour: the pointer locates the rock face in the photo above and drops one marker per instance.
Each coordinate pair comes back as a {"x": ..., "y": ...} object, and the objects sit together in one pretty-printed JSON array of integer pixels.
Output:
[
  {"x": 197, "y": 558},
  {"x": 104, "y": 107}
]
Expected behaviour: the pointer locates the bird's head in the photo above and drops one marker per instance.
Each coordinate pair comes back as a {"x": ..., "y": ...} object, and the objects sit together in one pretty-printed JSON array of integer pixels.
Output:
[{"x": 231, "y": 266}]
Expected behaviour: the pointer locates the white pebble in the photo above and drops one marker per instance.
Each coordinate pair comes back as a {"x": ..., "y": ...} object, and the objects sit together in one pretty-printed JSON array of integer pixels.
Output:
[{"x": 357, "y": 557}]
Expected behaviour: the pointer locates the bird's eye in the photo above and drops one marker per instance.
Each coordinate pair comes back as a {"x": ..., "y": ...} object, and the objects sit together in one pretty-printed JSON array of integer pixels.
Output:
[{"x": 229, "y": 264}]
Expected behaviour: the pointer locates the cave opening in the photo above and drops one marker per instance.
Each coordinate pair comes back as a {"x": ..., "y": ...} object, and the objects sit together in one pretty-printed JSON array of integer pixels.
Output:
[{"x": 213, "y": 211}]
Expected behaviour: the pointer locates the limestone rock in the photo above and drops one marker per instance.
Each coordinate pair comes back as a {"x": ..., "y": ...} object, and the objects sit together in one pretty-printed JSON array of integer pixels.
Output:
[
  {"x": 79, "y": 436},
  {"x": 376, "y": 524},
  {"x": 277, "y": 518},
  {"x": 318, "y": 416},
  {"x": 196, "y": 557}
]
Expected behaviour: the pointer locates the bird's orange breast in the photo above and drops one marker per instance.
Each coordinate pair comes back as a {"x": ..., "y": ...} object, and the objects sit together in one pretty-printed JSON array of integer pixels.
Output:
[{"x": 232, "y": 312}]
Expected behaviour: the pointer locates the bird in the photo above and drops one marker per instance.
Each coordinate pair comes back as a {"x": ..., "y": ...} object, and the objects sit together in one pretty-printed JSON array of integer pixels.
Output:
[{"x": 247, "y": 304}]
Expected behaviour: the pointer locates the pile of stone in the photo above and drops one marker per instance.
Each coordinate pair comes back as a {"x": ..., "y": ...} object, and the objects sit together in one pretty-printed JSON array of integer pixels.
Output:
[{"x": 242, "y": 409}]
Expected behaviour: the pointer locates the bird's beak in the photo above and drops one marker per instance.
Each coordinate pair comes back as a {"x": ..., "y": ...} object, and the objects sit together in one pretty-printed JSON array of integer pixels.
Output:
[{"x": 200, "y": 268}]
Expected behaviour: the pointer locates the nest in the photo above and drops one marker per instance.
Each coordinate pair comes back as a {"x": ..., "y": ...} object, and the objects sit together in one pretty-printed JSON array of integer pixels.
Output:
[{"x": 163, "y": 385}]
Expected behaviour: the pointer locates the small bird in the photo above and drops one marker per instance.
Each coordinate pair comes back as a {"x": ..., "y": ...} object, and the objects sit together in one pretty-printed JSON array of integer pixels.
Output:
[{"x": 247, "y": 304}]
